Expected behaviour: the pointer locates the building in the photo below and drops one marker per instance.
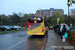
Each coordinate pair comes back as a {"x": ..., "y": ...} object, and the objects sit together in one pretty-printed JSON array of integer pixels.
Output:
[
  {"x": 48, "y": 12},
  {"x": 43, "y": 13},
  {"x": 52, "y": 10},
  {"x": 72, "y": 12},
  {"x": 31, "y": 15}
]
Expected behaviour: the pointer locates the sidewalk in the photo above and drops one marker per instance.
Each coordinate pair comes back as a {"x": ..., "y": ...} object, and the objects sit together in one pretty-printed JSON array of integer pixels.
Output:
[{"x": 54, "y": 41}]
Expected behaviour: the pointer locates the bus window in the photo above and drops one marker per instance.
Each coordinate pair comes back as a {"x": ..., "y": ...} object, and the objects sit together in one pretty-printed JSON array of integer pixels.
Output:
[
  {"x": 39, "y": 21},
  {"x": 31, "y": 20}
]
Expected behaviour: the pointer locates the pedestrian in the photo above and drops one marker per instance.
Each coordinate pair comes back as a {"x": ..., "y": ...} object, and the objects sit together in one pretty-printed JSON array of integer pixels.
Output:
[
  {"x": 54, "y": 27},
  {"x": 59, "y": 30},
  {"x": 63, "y": 32}
]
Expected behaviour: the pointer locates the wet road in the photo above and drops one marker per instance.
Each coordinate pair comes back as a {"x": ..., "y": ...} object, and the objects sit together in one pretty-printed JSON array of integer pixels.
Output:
[{"x": 21, "y": 41}]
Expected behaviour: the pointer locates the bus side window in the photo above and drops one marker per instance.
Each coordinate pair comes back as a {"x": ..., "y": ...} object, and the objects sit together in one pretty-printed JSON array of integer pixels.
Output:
[{"x": 31, "y": 21}]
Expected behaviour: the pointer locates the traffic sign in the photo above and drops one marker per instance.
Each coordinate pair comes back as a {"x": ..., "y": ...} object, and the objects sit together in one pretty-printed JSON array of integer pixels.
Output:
[{"x": 58, "y": 19}]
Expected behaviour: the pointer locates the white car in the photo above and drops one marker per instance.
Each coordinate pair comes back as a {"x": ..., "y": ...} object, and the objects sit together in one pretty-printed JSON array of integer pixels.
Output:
[{"x": 17, "y": 27}]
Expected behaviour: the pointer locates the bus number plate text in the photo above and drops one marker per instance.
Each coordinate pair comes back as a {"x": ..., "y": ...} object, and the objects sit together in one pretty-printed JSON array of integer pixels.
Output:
[{"x": 34, "y": 33}]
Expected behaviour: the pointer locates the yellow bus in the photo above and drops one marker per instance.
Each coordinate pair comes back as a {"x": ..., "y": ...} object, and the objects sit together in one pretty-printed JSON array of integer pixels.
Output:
[{"x": 35, "y": 26}]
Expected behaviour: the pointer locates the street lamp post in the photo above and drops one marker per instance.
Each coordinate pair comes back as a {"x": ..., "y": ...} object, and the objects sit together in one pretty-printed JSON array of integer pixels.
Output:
[
  {"x": 10, "y": 22},
  {"x": 40, "y": 14},
  {"x": 68, "y": 15}
]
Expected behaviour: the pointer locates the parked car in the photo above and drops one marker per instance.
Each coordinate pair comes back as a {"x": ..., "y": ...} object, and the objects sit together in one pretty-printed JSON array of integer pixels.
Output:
[
  {"x": 4, "y": 28},
  {"x": 50, "y": 27},
  {"x": 17, "y": 27},
  {"x": 72, "y": 28},
  {"x": 12, "y": 27},
  {"x": 7, "y": 28}
]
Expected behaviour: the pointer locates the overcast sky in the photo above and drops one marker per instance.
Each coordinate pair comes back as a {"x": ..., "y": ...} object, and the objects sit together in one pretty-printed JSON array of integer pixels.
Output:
[{"x": 30, "y": 6}]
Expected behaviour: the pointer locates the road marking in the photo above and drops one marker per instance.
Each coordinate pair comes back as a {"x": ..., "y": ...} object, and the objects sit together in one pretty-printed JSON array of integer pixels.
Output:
[{"x": 9, "y": 48}]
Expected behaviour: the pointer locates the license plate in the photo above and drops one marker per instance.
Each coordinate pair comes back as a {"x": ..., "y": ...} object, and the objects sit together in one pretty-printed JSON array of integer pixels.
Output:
[
  {"x": 34, "y": 33},
  {"x": 31, "y": 27}
]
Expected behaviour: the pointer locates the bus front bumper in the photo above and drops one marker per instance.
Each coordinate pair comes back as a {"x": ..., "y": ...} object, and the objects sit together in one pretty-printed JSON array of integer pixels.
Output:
[{"x": 42, "y": 33}]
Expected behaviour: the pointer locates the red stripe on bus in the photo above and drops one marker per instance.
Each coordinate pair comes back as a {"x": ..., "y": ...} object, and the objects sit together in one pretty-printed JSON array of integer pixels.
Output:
[{"x": 30, "y": 24}]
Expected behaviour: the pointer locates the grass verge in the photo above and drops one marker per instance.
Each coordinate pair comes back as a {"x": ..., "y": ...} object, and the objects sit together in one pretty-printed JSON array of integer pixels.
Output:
[{"x": 4, "y": 32}]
